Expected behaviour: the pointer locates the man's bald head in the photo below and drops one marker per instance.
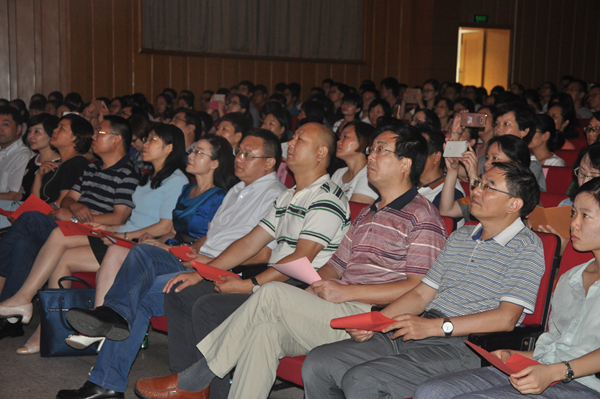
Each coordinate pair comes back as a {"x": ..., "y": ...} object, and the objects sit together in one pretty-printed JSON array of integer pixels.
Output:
[{"x": 325, "y": 137}]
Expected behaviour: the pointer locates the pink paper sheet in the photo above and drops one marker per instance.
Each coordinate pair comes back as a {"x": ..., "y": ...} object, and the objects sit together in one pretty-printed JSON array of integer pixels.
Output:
[
  {"x": 300, "y": 269},
  {"x": 212, "y": 273},
  {"x": 32, "y": 203},
  {"x": 182, "y": 252},
  {"x": 372, "y": 321}
]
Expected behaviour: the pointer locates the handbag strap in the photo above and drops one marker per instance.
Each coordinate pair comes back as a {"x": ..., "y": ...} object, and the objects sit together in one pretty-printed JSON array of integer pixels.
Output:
[{"x": 71, "y": 278}]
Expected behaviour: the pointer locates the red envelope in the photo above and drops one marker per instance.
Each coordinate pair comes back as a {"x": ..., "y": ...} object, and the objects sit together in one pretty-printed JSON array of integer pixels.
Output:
[
  {"x": 182, "y": 252},
  {"x": 69, "y": 228},
  {"x": 32, "y": 203},
  {"x": 371, "y": 321},
  {"x": 513, "y": 365},
  {"x": 5, "y": 213},
  {"x": 212, "y": 273},
  {"x": 120, "y": 241}
]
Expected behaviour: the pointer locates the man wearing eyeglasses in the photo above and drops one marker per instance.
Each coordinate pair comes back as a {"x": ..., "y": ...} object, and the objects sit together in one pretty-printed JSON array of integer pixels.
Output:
[
  {"x": 485, "y": 279},
  {"x": 386, "y": 252},
  {"x": 190, "y": 124}
]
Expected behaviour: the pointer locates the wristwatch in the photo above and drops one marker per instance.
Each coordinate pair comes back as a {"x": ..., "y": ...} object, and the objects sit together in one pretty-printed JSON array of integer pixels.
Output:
[
  {"x": 568, "y": 373},
  {"x": 447, "y": 327},
  {"x": 255, "y": 284},
  {"x": 74, "y": 219}
]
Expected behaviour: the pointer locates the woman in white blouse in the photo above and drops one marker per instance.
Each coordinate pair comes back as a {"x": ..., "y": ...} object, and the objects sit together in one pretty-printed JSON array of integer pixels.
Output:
[
  {"x": 545, "y": 140},
  {"x": 354, "y": 140}
]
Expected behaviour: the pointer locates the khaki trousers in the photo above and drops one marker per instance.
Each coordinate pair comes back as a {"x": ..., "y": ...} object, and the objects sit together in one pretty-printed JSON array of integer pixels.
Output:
[{"x": 277, "y": 321}]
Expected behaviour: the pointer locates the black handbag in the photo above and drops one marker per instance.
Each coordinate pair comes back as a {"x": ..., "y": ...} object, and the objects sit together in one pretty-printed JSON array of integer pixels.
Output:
[{"x": 54, "y": 304}]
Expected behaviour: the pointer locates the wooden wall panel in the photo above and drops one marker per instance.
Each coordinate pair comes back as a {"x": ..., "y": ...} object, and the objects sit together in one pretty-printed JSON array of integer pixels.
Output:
[{"x": 92, "y": 46}]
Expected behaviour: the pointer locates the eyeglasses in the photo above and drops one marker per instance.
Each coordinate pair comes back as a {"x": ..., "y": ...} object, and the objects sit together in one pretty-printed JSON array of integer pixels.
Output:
[
  {"x": 377, "y": 150},
  {"x": 150, "y": 138},
  {"x": 102, "y": 132},
  {"x": 485, "y": 187},
  {"x": 175, "y": 118},
  {"x": 246, "y": 155},
  {"x": 580, "y": 174},
  {"x": 592, "y": 129},
  {"x": 197, "y": 152}
]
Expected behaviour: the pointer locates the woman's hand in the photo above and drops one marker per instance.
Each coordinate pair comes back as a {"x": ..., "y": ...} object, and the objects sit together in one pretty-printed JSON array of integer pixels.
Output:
[
  {"x": 47, "y": 166},
  {"x": 502, "y": 354},
  {"x": 469, "y": 159},
  {"x": 97, "y": 226},
  {"x": 144, "y": 237},
  {"x": 535, "y": 379}
]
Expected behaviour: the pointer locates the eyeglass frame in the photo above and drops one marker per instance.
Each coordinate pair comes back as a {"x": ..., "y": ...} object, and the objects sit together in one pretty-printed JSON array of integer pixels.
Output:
[
  {"x": 376, "y": 150},
  {"x": 474, "y": 183},
  {"x": 195, "y": 151},
  {"x": 147, "y": 138},
  {"x": 246, "y": 155},
  {"x": 586, "y": 177},
  {"x": 594, "y": 129}
]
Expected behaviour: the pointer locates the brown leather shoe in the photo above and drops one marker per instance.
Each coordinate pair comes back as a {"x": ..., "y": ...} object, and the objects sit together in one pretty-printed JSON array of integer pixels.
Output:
[{"x": 166, "y": 388}]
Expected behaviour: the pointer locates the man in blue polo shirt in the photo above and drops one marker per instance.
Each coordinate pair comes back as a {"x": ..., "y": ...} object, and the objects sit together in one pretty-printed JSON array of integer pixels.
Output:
[
  {"x": 103, "y": 195},
  {"x": 485, "y": 279}
]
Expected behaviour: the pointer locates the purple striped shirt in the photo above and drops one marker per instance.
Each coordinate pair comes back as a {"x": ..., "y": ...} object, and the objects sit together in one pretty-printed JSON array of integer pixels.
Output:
[{"x": 382, "y": 246}]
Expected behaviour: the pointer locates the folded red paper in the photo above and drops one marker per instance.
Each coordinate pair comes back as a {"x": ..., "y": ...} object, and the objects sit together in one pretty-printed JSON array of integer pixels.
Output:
[
  {"x": 32, "y": 203},
  {"x": 211, "y": 272},
  {"x": 5, "y": 213},
  {"x": 182, "y": 252},
  {"x": 372, "y": 321},
  {"x": 69, "y": 228},
  {"x": 513, "y": 365}
]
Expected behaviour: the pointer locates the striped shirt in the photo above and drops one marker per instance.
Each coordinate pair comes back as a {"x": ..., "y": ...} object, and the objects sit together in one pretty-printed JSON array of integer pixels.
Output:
[
  {"x": 473, "y": 276},
  {"x": 403, "y": 238},
  {"x": 318, "y": 213},
  {"x": 102, "y": 189}
]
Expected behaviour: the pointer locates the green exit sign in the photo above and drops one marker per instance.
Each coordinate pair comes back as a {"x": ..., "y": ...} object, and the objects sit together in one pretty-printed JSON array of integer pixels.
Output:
[{"x": 481, "y": 18}]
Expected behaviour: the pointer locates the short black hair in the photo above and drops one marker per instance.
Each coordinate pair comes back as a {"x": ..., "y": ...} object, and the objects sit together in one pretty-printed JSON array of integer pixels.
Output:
[
  {"x": 524, "y": 116},
  {"x": 513, "y": 147},
  {"x": 435, "y": 139},
  {"x": 13, "y": 112},
  {"x": 391, "y": 83},
  {"x": 120, "y": 126},
  {"x": 521, "y": 183},
  {"x": 241, "y": 123},
  {"x": 58, "y": 96},
  {"x": 271, "y": 145},
  {"x": 411, "y": 144},
  {"x": 82, "y": 130},
  {"x": 192, "y": 118},
  {"x": 354, "y": 99},
  {"x": 261, "y": 88},
  {"x": 248, "y": 84}
]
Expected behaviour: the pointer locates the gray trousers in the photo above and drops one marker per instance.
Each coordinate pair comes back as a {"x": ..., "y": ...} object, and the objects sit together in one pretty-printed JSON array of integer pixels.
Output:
[
  {"x": 381, "y": 367},
  {"x": 192, "y": 314},
  {"x": 491, "y": 383}
]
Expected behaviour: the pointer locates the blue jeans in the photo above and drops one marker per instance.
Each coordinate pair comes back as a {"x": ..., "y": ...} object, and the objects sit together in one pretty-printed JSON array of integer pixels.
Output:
[
  {"x": 136, "y": 295},
  {"x": 19, "y": 248}
]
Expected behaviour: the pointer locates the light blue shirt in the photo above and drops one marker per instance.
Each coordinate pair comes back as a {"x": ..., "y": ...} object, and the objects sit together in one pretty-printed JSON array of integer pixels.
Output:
[
  {"x": 151, "y": 205},
  {"x": 574, "y": 323}
]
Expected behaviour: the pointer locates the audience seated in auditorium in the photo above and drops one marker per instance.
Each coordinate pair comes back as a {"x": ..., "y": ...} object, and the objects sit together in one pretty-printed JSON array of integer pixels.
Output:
[
  {"x": 140, "y": 282},
  {"x": 351, "y": 108},
  {"x": 266, "y": 328},
  {"x": 190, "y": 124},
  {"x": 422, "y": 347},
  {"x": 232, "y": 127},
  {"x": 578, "y": 90},
  {"x": 312, "y": 234},
  {"x": 568, "y": 351},
  {"x": 592, "y": 130},
  {"x": 102, "y": 194}
]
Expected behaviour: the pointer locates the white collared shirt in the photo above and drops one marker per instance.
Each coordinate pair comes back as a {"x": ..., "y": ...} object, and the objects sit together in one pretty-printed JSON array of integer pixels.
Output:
[
  {"x": 241, "y": 210},
  {"x": 13, "y": 161}
]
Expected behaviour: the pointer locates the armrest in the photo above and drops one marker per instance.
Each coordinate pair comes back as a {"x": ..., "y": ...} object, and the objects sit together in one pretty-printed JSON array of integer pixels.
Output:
[{"x": 521, "y": 338}]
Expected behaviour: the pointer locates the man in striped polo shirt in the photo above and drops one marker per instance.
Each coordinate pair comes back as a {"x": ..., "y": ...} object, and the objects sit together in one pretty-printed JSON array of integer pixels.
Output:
[
  {"x": 485, "y": 279},
  {"x": 389, "y": 248},
  {"x": 102, "y": 194}
]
